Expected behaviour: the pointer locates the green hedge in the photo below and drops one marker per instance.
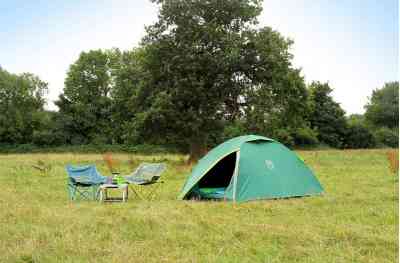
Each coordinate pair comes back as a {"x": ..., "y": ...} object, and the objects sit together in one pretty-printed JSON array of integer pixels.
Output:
[{"x": 90, "y": 148}]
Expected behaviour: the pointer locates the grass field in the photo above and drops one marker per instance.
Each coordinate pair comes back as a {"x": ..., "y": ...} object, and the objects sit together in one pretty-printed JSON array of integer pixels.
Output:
[{"x": 355, "y": 221}]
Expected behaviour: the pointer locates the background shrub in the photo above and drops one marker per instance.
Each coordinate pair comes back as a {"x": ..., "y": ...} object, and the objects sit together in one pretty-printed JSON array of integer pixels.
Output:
[
  {"x": 358, "y": 137},
  {"x": 387, "y": 137}
]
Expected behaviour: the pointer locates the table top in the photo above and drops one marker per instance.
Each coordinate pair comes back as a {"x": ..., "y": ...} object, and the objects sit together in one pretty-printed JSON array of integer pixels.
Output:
[{"x": 113, "y": 185}]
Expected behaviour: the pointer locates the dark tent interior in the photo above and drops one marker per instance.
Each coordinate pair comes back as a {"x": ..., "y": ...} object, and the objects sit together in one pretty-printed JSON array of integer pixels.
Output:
[{"x": 220, "y": 175}]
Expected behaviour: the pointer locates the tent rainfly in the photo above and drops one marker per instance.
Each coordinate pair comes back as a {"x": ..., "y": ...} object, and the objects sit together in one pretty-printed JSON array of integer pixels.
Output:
[{"x": 248, "y": 168}]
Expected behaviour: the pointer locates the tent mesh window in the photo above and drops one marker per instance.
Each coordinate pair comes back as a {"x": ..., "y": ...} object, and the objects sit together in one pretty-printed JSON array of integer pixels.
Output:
[{"x": 220, "y": 175}]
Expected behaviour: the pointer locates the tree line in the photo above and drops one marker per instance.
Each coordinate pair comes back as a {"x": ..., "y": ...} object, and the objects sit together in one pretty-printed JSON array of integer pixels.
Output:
[{"x": 203, "y": 73}]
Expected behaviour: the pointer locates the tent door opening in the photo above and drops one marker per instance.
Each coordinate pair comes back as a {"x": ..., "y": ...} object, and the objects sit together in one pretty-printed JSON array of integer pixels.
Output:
[{"x": 215, "y": 182}]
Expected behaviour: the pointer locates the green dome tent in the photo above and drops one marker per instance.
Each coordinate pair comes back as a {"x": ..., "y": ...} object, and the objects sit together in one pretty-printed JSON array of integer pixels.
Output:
[{"x": 248, "y": 168}]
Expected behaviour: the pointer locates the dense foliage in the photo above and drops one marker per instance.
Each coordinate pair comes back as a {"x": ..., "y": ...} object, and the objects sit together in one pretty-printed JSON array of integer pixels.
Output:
[
  {"x": 85, "y": 105},
  {"x": 21, "y": 107},
  {"x": 326, "y": 115},
  {"x": 382, "y": 114},
  {"x": 383, "y": 108},
  {"x": 205, "y": 72}
]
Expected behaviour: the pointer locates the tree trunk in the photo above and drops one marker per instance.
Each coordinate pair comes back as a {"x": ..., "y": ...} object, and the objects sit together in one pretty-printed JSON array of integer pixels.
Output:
[{"x": 197, "y": 149}]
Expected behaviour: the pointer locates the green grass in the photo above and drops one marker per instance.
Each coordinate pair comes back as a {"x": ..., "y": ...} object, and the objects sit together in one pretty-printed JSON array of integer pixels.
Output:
[{"x": 355, "y": 221}]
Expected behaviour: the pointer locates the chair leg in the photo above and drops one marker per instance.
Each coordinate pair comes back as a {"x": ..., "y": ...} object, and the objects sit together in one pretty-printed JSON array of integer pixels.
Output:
[
  {"x": 72, "y": 192},
  {"x": 69, "y": 192},
  {"x": 94, "y": 192},
  {"x": 153, "y": 191},
  {"x": 84, "y": 193},
  {"x": 98, "y": 193},
  {"x": 135, "y": 192},
  {"x": 146, "y": 192},
  {"x": 88, "y": 193}
]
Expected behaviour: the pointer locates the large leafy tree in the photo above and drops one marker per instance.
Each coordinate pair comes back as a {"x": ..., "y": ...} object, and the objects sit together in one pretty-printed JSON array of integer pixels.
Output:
[
  {"x": 128, "y": 78},
  {"x": 21, "y": 106},
  {"x": 208, "y": 64},
  {"x": 85, "y": 104},
  {"x": 383, "y": 107},
  {"x": 326, "y": 116},
  {"x": 275, "y": 103}
]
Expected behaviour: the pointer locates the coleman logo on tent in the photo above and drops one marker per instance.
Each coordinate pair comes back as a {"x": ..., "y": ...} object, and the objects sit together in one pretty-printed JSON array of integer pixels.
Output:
[{"x": 269, "y": 164}]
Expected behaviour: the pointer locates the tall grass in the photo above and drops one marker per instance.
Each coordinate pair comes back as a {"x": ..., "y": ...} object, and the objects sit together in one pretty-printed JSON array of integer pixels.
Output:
[{"x": 354, "y": 221}]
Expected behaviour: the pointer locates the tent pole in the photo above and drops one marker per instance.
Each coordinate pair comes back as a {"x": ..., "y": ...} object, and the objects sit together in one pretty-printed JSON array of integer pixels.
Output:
[{"x": 235, "y": 174}]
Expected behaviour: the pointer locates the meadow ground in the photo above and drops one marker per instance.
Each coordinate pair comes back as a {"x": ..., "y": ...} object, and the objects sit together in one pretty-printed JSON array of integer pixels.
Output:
[{"x": 356, "y": 220}]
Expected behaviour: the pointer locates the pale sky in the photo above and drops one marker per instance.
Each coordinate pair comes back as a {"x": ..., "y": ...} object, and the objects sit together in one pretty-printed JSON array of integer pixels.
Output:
[{"x": 351, "y": 44}]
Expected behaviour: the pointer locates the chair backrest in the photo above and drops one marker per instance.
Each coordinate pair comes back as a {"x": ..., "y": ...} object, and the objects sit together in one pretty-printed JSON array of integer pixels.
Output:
[
  {"x": 87, "y": 174},
  {"x": 149, "y": 171}
]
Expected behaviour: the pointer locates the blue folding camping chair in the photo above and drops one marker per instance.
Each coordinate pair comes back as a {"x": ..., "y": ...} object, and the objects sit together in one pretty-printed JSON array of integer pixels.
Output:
[
  {"x": 146, "y": 176},
  {"x": 84, "y": 182}
]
